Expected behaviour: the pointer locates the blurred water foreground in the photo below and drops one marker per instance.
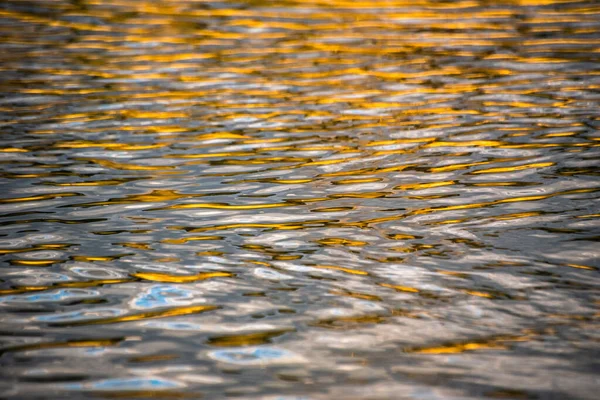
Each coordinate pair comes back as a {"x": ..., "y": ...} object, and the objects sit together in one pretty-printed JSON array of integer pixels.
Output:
[{"x": 317, "y": 199}]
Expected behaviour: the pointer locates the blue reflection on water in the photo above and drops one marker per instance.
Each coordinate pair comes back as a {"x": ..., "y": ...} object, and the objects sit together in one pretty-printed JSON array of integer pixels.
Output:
[
  {"x": 58, "y": 295},
  {"x": 80, "y": 315},
  {"x": 126, "y": 384},
  {"x": 171, "y": 325},
  {"x": 252, "y": 355},
  {"x": 163, "y": 295}
]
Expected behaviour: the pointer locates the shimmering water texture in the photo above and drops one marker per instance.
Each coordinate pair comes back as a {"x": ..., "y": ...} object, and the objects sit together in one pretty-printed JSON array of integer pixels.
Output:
[{"x": 316, "y": 199}]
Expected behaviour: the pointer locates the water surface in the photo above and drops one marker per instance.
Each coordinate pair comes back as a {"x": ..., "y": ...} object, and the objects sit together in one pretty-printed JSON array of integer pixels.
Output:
[{"x": 320, "y": 199}]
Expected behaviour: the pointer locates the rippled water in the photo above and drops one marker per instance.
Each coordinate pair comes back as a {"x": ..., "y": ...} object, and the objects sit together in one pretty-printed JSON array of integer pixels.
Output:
[{"x": 320, "y": 199}]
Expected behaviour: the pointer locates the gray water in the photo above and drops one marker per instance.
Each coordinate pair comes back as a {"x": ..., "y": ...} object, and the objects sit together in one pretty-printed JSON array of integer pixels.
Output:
[{"x": 320, "y": 199}]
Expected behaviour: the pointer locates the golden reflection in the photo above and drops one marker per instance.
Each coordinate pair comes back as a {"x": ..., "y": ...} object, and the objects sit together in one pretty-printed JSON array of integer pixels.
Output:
[
  {"x": 108, "y": 145},
  {"x": 495, "y": 343},
  {"x": 281, "y": 226},
  {"x": 342, "y": 269},
  {"x": 158, "y": 277},
  {"x": 362, "y": 296},
  {"x": 454, "y": 273},
  {"x": 221, "y": 206},
  {"x": 479, "y": 294},
  {"x": 106, "y": 182},
  {"x": 468, "y": 206},
  {"x": 159, "y": 195},
  {"x": 402, "y": 236},
  {"x": 420, "y": 186},
  {"x": 341, "y": 241},
  {"x": 473, "y": 143},
  {"x": 190, "y": 239},
  {"x": 513, "y": 168},
  {"x": 400, "y": 288},
  {"x": 579, "y": 266},
  {"x": 356, "y": 181},
  {"x": 458, "y": 348},
  {"x": 133, "y": 167},
  {"x": 99, "y": 258},
  {"x": 163, "y": 313},
  {"x": 210, "y": 253},
  {"x": 132, "y": 245},
  {"x": 35, "y": 263},
  {"x": 332, "y": 209},
  {"x": 247, "y": 339},
  {"x": 346, "y": 323}
]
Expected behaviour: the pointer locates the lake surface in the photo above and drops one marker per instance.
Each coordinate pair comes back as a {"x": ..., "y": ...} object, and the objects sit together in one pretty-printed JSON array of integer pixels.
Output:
[{"x": 320, "y": 199}]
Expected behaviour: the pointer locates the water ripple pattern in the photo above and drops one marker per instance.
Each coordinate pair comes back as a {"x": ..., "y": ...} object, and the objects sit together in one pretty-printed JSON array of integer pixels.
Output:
[{"x": 299, "y": 199}]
